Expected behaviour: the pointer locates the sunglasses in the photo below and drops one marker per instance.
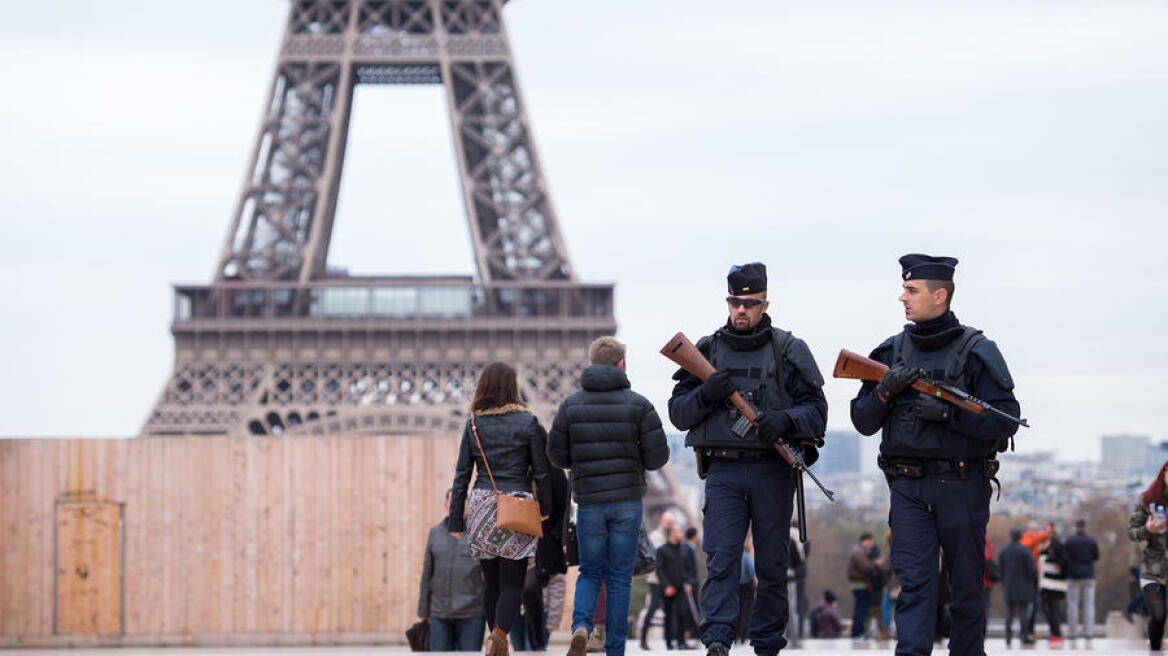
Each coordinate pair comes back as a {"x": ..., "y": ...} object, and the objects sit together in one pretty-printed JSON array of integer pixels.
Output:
[{"x": 748, "y": 303}]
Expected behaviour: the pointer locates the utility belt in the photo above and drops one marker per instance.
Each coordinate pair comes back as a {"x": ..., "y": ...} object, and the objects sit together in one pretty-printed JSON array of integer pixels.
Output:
[
  {"x": 895, "y": 467},
  {"x": 900, "y": 467},
  {"x": 741, "y": 454},
  {"x": 705, "y": 455}
]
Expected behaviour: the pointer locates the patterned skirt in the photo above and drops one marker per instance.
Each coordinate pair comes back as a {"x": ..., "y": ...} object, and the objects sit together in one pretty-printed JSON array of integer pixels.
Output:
[{"x": 489, "y": 541}]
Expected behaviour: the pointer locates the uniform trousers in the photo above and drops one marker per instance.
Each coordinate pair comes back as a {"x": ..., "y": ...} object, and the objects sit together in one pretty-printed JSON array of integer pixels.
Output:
[
  {"x": 928, "y": 514},
  {"x": 755, "y": 493}
]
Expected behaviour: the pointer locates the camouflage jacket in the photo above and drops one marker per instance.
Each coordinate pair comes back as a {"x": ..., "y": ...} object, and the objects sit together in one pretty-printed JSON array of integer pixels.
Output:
[{"x": 1154, "y": 564}]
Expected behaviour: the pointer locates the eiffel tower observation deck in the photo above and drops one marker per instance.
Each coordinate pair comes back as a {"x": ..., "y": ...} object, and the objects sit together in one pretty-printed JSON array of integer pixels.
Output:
[{"x": 276, "y": 344}]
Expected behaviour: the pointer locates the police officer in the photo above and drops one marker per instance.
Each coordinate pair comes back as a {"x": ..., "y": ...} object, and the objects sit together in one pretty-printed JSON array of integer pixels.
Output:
[
  {"x": 747, "y": 484},
  {"x": 938, "y": 460}
]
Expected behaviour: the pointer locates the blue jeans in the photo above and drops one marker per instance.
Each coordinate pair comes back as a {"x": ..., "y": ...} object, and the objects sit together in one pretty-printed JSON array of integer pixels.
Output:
[
  {"x": 863, "y": 599},
  {"x": 607, "y": 534},
  {"x": 457, "y": 634}
]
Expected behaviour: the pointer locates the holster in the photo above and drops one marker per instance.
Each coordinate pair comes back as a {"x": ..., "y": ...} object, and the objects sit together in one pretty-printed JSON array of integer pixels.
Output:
[
  {"x": 703, "y": 463},
  {"x": 893, "y": 469}
]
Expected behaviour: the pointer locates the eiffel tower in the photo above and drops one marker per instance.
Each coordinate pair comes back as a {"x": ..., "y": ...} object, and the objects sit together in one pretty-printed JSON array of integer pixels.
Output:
[{"x": 278, "y": 345}]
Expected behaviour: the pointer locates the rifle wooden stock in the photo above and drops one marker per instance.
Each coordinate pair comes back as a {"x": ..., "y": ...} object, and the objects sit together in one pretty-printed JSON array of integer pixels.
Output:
[{"x": 857, "y": 367}]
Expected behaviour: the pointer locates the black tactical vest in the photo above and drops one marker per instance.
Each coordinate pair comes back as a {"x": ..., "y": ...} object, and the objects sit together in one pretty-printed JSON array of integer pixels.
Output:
[
  {"x": 757, "y": 374},
  {"x": 905, "y": 435}
]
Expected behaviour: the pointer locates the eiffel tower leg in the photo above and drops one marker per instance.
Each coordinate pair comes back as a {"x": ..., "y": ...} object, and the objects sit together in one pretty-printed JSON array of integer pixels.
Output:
[{"x": 511, "y": 216}]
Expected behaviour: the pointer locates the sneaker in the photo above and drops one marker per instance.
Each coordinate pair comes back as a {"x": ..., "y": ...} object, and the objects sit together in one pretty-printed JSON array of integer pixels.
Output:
[
  {"x": 717, "y": 649},
  {"x": 579, "y": 642},
  {"x": 596, "y": 640}
]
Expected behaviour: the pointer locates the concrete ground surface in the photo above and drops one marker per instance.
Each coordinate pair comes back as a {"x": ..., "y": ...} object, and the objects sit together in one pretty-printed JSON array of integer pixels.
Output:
[{"x": 994, "y": 647}]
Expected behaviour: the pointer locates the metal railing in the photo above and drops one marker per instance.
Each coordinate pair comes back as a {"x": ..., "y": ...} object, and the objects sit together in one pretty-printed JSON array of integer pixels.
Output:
[{"x": 355, "y": 298}]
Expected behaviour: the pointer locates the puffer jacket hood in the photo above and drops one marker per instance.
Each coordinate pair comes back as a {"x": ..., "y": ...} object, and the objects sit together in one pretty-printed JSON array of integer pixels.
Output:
[{"x": 603, "y": 377}]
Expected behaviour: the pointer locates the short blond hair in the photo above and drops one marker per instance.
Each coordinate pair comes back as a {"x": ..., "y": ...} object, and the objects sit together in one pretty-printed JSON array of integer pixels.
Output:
[{"x": 606, "y": 350}]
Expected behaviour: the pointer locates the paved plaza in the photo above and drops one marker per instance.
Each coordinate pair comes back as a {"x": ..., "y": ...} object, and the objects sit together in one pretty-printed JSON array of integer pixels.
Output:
[{"x": 994, "y": 647}]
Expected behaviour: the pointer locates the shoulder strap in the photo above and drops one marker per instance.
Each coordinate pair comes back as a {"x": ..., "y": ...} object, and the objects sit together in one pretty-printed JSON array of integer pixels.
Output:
[
  {"x": 955, "y": 362},
  {"x": 779, "y": 341},
  {"x": 474, "y": 429},
  {"x": 898, "y": 346}
]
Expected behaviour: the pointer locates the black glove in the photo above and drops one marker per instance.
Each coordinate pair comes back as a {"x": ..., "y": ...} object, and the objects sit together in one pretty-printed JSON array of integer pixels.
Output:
[
  {"x": 810, "y": 453},
  {"x": 717, "y": 388},
  {"x": 895, "y": 381},
  {"x": 772, "y": 426},
  {"x": 931, "y": 408}
]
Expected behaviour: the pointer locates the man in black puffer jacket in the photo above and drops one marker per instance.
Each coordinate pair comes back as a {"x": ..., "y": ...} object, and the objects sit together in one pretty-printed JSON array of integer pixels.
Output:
[{"x": 608, "y": 435}]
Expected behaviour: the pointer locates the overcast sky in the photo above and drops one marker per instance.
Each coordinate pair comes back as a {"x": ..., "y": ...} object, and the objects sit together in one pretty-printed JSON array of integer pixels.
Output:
[{"x": 823, "y": 138}]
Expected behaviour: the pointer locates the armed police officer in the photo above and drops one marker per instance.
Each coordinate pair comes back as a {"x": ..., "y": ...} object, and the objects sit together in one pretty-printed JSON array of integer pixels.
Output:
[
  {"x": 938, "y": 460},
  {"x": 747, "y": 483}
]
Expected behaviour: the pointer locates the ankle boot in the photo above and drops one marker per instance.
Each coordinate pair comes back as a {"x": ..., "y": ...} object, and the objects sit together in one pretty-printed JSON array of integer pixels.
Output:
[{"x": 497, "y": 644}]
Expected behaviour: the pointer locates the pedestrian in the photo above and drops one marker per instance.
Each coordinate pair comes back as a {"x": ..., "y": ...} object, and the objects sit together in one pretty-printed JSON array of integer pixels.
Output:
[
  {"x": 799, "y": 552},
  {"x": 1018, "y": 580},
  {"x": 747, "y": 584},
  {"x": 608, "y": 435},
  {"x": 450, "y": 596},
  {"x": 1082, "y": 551},
  {"x": 1136, "y": 603},
  {"x": 549, "y": 563},
  {"x": 503, "y": 435},
  {"x": 877, "y": 587},
  {"x": 888, "y": 598},
  {"x": 1052, "y": 582},
  {"x": 993, "y": 574},
  {"x": 826, "y": 621},
  {"x": 1149, "y": 525},
  {"x": 748, "y": 486},
  {"x": 675, "y": 570},
  {"x": 1033, "y": 539},
  {"x": 698, "y": 559},
  {"x": 938, "y": 460},
  {"x": 693, "y": 539},
  {"x": 861, "y": 566},
  {"x": 657, "y": 537}
]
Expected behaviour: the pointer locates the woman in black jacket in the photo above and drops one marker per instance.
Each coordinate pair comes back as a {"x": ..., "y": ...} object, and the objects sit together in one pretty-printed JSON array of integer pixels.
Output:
[{"x": 515, "y": 450}]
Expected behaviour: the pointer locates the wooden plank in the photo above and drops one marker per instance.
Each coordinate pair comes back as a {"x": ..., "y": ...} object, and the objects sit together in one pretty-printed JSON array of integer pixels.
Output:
[
  {"x": 133, "y": 461},
  {"x": 39, "y": 567},
  {"x": 15, "y": 534},
  {"x": 88, "y": 567}
]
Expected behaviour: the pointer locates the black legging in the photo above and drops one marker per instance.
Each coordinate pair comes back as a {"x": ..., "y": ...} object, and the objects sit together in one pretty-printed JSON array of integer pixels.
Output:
[
  {"x": 1050, "y": 608},
  {"x": 503, "y": 590},
  {"x": 1154, "y": 597}
]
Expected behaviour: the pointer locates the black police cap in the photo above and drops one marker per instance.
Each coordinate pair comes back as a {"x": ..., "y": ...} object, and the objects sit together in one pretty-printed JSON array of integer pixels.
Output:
[
  {"x": 917, "y": 266},
  {"x": 747, "y": 278}
]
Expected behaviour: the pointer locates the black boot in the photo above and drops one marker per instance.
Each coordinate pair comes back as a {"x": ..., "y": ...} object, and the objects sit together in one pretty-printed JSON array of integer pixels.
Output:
[{"x": 717, "y": 649}]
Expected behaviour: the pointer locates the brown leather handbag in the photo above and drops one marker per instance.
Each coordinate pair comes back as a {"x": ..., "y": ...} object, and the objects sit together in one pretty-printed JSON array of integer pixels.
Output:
[{"x": 514, "y": 513}]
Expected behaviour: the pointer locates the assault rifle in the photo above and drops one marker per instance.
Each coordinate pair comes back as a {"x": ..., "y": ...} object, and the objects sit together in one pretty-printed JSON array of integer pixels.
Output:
[
  {"x": 685, "y": 354},
  {"x": 857, "y": 367}
]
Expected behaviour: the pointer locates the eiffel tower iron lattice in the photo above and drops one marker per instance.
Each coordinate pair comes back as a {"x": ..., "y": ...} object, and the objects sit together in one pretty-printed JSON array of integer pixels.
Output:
[{"x": 274, "y": 344}]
